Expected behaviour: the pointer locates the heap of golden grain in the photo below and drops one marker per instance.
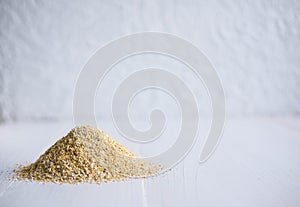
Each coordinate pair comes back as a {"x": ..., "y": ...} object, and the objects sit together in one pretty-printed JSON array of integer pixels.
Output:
[{"x": 86, "y": 154}]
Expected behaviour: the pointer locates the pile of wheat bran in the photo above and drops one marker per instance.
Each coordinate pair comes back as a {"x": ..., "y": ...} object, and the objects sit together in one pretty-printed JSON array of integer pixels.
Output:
[{"x": 86, "y": 155}]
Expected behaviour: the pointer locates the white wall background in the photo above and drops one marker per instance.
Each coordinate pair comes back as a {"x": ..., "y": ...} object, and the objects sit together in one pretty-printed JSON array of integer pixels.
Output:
[{"x": 254, "y": 45}]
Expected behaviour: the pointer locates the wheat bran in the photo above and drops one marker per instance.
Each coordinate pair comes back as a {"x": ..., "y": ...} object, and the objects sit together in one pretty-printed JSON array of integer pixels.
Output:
[{"x": 86, "y": 155}]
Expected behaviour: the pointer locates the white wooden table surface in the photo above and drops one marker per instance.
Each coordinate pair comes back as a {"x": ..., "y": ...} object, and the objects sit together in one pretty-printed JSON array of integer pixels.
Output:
[{"x": 257, "y": 163}]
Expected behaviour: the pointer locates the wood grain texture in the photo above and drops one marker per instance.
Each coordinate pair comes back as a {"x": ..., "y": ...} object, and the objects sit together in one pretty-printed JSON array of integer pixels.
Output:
[{"x": 256, "y": 164}]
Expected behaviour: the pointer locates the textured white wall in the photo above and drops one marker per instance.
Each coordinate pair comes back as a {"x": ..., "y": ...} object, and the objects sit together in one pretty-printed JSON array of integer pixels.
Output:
[{"x": 254, "y": 45}]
